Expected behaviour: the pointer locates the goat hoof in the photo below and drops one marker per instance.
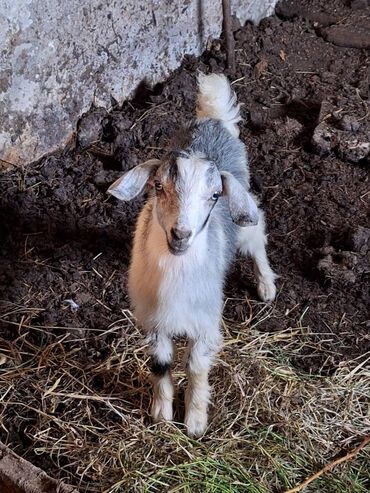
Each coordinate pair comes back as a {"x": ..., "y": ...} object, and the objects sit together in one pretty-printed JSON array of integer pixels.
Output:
[
  {"x": 266, "y": 290},
  {"x": 161, "y": 410},
  {"x": 196, "y": 423}
]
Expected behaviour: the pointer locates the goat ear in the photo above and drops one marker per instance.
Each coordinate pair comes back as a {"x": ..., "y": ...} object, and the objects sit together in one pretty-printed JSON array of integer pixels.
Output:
[
  {"x": 132, "y": 183},
  {"x": 243, "y": 208}
]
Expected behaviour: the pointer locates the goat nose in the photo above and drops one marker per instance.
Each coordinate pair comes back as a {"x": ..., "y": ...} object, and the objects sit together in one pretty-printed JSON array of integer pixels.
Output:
[{"x": 180, "y": 234}]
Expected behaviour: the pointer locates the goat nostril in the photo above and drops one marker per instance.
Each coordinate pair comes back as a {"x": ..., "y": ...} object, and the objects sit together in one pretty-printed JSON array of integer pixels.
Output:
[{"x": 180, "y": 234}]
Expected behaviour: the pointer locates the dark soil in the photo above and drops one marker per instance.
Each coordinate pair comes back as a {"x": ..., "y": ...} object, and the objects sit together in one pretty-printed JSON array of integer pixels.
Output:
[{"x": 65, "y": 239}]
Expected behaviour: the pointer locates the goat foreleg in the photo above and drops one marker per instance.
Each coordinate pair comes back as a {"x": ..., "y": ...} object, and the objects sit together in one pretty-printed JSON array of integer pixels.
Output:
[
  {"x": 198, "y": 392},
  {"x": 161, "y": 351}
]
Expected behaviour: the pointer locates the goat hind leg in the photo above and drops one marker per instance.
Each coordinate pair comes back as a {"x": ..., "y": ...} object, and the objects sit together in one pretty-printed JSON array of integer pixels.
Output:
[{"x": 252, "y": 241}]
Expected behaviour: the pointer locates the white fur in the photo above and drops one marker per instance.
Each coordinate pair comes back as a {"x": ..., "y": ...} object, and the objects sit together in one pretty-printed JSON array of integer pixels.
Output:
[
  {"x": 192, "y": 172},
  {"x": 217, "y": 100},
  {"x": 198, "y": 392},
  {"x": 197, "y": 398},
  {"x": 161, "y": 287},
  {"x": 163, "y": 392}
]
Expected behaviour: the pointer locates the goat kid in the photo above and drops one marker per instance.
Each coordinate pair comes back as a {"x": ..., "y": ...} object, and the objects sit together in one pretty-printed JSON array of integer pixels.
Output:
[{"x": 199, "y": 212}]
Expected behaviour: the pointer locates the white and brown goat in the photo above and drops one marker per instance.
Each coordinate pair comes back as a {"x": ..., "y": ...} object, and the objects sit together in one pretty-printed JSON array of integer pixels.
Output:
[{"x": 199, "y": 212}]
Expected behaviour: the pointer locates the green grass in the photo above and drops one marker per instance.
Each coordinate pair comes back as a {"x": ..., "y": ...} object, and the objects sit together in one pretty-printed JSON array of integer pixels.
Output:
[
  {"x": 276, "y": 468},
  {"x": 204, "y": 475}
]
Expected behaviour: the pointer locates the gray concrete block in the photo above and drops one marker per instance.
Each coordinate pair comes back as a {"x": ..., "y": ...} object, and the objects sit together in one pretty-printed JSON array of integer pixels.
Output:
[{"x": 57, "y": 58}]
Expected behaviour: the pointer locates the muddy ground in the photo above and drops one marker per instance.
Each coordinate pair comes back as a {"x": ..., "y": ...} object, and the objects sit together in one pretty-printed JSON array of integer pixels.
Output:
[{"x": 306, "y": 125}]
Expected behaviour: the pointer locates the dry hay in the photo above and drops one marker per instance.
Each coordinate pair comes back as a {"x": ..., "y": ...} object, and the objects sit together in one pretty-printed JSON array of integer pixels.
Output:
[{"x": 80, "y": 399}]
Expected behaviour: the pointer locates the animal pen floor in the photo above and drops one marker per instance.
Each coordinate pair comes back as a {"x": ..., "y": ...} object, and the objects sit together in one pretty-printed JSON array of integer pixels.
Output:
[{"x": 292, "y": 383}]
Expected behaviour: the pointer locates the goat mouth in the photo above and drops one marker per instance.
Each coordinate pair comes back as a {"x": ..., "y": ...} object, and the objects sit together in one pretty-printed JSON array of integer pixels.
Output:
[{"x": 177, "y": 250}]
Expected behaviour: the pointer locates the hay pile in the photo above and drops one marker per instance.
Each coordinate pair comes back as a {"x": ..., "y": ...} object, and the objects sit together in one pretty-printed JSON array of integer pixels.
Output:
[{"x": 270, "y": 425}]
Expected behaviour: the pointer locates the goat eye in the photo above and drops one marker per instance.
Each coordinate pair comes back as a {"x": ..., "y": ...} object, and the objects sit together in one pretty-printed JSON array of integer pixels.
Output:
[
  {"x": 158, "y": 186},
  {"x": 215, "y": 196}
]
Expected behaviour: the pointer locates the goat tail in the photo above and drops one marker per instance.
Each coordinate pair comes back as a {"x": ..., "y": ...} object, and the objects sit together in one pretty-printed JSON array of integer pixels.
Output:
[{"x": 216, "y": 99}]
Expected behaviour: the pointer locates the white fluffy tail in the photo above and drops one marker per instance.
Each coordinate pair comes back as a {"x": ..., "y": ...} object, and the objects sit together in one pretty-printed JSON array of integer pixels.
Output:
[{"x": 216, "y": 99}]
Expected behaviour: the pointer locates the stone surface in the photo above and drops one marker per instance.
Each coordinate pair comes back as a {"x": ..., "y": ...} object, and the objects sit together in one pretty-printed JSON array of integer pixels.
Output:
[{"x": 57, "y": 58}]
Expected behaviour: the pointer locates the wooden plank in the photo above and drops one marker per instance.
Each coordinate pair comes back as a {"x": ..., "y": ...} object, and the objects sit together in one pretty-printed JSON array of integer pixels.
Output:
[{"x": 20, "y": 476}]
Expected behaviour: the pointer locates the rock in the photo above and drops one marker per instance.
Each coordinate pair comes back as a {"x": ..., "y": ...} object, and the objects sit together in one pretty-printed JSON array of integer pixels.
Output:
[
  {"x": 84, "y": 297},
  {"x": 349, "y": 123},
  {"x": 122, "y": 122},
  {"x": 90, "y": 127},
  {"x": 323, "y": 139},
  {"x": 343, "y": 130},
  {"x": 103, "y": 179},
  {"x": 290, "y": 127},
  {"x": 352, "y": 149},
  {"x": 258, "y": 118},
  {"x": 360, "y": 4},
  {"x": 343, "y": 266},
  {"x": 361, "y": 240},
  {"x": 347, "y": 36},
  {"x": 287, "y": 9},
  {"x": 338, "y": 266},
  {"x": 61, "y": 195}
]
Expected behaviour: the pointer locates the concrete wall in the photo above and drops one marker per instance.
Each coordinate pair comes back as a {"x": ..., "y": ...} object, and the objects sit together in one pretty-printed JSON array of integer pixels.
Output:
[{"x": 57, "y": 57}]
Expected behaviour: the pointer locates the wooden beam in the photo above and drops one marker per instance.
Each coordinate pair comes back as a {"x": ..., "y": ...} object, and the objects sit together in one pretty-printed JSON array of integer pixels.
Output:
[{"x": 228, "y": 32}]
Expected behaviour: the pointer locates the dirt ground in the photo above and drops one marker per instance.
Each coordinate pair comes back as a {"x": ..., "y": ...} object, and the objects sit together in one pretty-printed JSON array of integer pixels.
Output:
[{"x": 66, "y": 244}]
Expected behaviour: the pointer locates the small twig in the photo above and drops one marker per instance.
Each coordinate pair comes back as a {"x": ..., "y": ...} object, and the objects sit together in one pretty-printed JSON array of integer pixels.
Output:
[
  {"x": 230, "y": 50},
  {"x": 7, "y": 162},
  {"x": 330, "y": 466}
]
